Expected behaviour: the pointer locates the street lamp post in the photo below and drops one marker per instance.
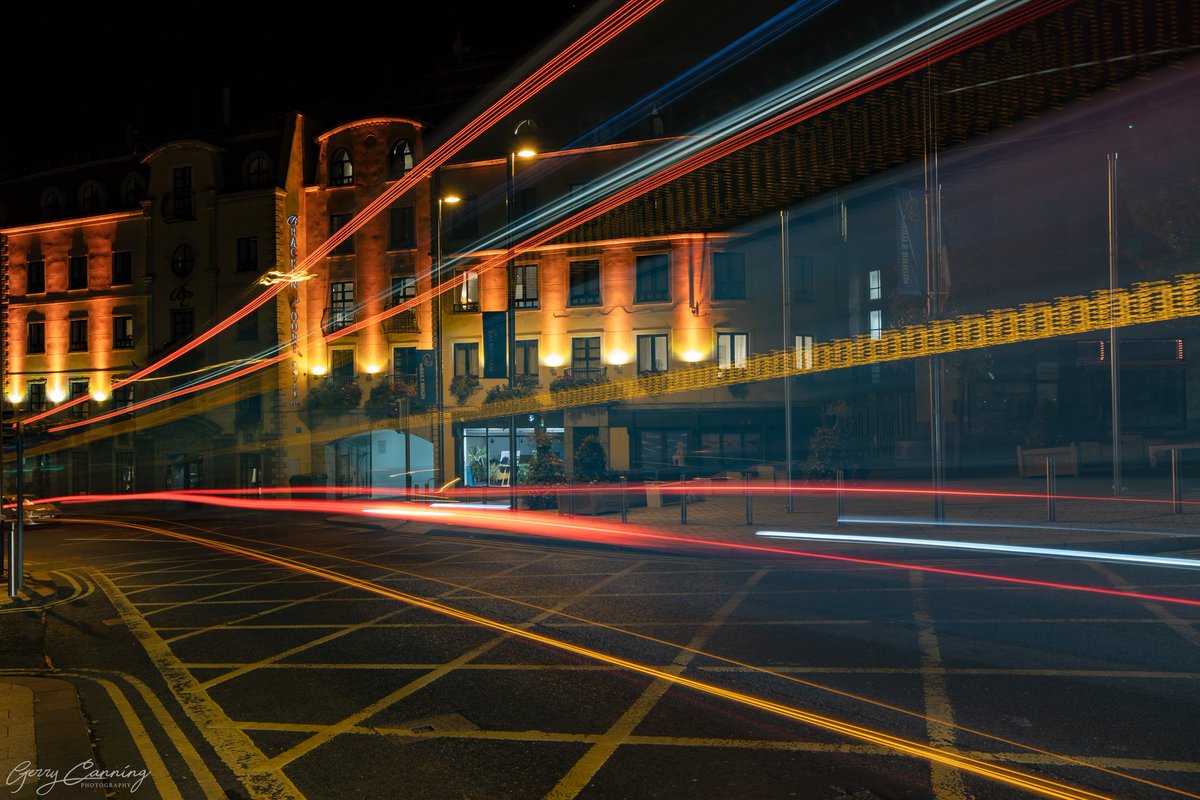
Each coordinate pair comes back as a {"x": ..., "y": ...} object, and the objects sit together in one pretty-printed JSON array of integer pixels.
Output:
[
  {"x": 522, "y": 145},
  {"x": 439, "y": 455}
]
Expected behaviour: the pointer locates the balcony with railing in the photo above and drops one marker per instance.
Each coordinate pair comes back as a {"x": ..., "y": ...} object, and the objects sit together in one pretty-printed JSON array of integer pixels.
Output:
[
  {"x": 404, "y": 322},
  {"x": 334, "y": 319}
]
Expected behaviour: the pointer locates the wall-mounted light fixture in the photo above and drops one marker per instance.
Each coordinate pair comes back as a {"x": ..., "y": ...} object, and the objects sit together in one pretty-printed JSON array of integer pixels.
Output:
[
  {"x": 56, "y": 395},
  {"x": 99, "y": 395},
  {"x": 692, "y": 356},
  {"x": 318, "y": 370}
]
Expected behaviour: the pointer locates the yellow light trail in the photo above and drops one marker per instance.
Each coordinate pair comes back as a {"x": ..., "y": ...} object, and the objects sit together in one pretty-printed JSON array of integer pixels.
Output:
[
  {"x": 730, "y": 661},
  {"x": 1041, "y": 786}
]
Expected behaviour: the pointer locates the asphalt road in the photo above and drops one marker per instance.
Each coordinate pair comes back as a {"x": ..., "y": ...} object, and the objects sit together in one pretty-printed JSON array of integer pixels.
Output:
[{"x": 376, "y": 664}]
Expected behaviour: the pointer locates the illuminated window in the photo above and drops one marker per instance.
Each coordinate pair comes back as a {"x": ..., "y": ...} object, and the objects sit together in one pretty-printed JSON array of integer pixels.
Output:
[
  {"x": 466, "y": 296},
  {"x": 527, "y": 358},
  {"x": 341, "y": 305},
  {"x": 653, "y": 278},
  {"x": 525, "y": 286},
  {"x": 341, "y": 365},
  {"x": 247, "y": 327},
  {"x": 404, "y": 287},
  {"x": 247, "y": 254},
  {"x": 35, "y": 277},
  {"x": 732, "y": 350},
  {"x": 804, "y": 352},
  {"x": 336, "y": 223},
  {"x": 876, "y": 323},
  {"x": 341, "y": 169},
  {"x": 37, "y": 395},
  {"x": 400, "y": 160},
  {"x": 77, "y": 340},
  {"x": 466, "y": 358},
  {"x": 729, "y": 276},
  {"x": 258, "y": 171},
  {"x": 584, "y": 281},
  {"x": 183, "y": 323},
  {"x": 402, "y": 234},
  {"x": 122, "y": 332},
  {"x": 585, "y": 357},
  {"x": 77, "y": 277},
  {"x": 874, "y": 285},
  {"x": 652, "y": 353},
  {"x": 36, "y": 338},
  {"x": 122, "y": 267},
  {"x": 183, "y": 260}
]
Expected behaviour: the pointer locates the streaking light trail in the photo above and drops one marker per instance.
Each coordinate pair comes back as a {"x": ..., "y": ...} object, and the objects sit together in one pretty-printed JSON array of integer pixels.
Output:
[
  {"x": 625, "y": 16},
  {"x": 548, "y": 525},
  {"x": 1033, "y": 783},
  {"x": 1020, "y": 550}
]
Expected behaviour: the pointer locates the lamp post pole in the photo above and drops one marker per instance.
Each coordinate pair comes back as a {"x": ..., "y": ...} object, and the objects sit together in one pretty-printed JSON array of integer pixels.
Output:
[
  {"x": 512, "y": 327},
  {"x": 439, "y": 473},
  {"x": 524, "y": 150},
  {"x": 1113, "y": 342}
]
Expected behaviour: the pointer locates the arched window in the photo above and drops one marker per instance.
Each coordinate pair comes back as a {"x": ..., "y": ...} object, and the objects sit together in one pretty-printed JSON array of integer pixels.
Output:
[
  {"x": 133, "y": 189},
  {"x": 183, "y": 260},
  {"x": 341, "y": 169},
  {"x": 257, "y": 171},
  {"x": 52, "y": 203},
  {"x": 401, "y": 159},
  {"x": 91, "y": 198}
]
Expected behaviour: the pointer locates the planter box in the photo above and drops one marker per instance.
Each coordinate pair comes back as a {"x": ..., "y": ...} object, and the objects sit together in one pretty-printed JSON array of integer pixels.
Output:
[
  {"x": 1031, "y": 461},
  {"x": 602, "y": 498}
]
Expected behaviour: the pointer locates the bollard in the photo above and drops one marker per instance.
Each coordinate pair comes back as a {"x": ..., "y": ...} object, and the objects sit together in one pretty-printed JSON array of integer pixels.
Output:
[
  {"x": 1051, "y": 511},
  {"x": 749, "y": 508},
  {"x": 683, "y": 500},
  {"x": 841, "y": 498},
  {"x": 1176, "y": 482},
  {"x": 570, "y": 499},
  {"x": 624, "y": 500}
]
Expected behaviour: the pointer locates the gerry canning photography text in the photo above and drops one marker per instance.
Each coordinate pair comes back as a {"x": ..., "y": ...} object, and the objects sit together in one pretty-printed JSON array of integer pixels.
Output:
[{"x": 85, "y": 773}]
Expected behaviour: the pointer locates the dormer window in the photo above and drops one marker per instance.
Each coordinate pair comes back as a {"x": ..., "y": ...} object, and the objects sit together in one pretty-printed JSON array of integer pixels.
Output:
[
  {"x": 401, "y": 159},
  {"x": 341, "y": 168}
]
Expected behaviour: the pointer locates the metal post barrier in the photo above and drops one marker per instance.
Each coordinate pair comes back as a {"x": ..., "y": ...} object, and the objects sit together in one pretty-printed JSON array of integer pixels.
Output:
[
  {"x": 624, "y": 500},
  {"x": 841, "y": 498},
  {"x": 1051, "y": 511},
  {"x": 570, "y": 499},
  {"x": 1176, "y": 482},
  {"x": 749, "y": 506},
  {"x": 683, "y": 500}
]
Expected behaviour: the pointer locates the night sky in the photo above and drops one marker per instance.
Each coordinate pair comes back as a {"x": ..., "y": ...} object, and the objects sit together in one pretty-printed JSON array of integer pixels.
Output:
[{"x": 83, "y": 76}]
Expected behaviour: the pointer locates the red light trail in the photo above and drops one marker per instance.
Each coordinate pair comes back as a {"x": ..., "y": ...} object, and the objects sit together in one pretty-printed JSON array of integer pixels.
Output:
[{"x": 590, "y": 42}]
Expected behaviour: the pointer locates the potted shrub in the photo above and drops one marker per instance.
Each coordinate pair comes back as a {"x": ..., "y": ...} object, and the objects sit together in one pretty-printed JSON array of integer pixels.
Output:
[
  {"x": 463, "y": 386},
  {"x": 547, "y": 471},
  {"x": 831, "y": 447},
  {"x": 591, "y": 474},
  {"x": 331, "y": 398}
]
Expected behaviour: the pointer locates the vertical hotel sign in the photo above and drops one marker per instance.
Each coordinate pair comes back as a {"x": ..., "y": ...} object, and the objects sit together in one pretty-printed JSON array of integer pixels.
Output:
[
  {"x": 910, "y": 242},
  {"x": 495, "y": 344},
  {"x": 294, "y": 303}
]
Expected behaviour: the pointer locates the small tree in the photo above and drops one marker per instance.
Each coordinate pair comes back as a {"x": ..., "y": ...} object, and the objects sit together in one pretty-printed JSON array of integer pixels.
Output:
[
  {"x": 831, "y": 445},
  {"x": 547, "y": 470},
  {"x": 590, "y": 459}
]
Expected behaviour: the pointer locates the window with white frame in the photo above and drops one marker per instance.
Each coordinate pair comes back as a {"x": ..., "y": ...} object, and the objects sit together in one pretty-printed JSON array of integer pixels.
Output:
[
  {"x": 874, "y": 285},
  {"x": 732, "y": 350},
  {"x": 875, "y": 323},
  {"x": 525, "y": 286},
  {"x": 341, "y": 168},
  {"x": 466, "y": 295},
  {"x": 651, "y": 353},
  {"x": 404, "y": 287},
  {"x": 341, "y": 304}
]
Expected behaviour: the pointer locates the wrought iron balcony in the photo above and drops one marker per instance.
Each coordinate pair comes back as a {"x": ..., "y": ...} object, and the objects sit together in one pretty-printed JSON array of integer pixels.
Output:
[
  {"x": 404, "y": 322},
  {"x": 178, "y": 206}
]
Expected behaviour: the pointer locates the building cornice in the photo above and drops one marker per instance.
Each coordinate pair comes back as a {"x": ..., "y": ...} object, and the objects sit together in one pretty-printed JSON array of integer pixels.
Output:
[
  {"x": 76, "y": 222},
  {"x": 369, "y": 122}
]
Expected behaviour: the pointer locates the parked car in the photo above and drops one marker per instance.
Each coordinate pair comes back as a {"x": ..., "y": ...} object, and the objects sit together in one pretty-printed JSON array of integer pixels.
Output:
[{"x": 37, "y": 511}]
